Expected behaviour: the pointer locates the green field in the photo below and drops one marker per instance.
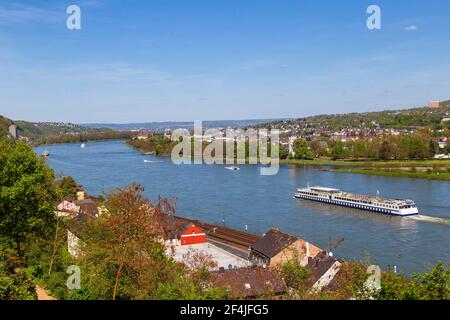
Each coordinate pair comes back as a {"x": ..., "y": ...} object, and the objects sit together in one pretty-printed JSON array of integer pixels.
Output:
[
  {"x": 432, "y": 175},
  {"x": 419, "y": 169},
  {"x": 370, "y": 163}
]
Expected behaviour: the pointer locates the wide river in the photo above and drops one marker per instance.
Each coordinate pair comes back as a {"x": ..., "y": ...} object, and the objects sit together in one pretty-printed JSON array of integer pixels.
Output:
[{"x": 246, "y": 199}]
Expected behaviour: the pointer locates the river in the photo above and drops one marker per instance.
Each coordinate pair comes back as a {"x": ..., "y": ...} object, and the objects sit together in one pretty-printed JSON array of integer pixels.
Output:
[{"x": 245, "y": 199}]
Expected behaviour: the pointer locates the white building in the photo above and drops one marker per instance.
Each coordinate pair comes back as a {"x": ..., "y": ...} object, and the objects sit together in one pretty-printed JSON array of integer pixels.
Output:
[
  {"x": 13, "y": 131},
  {"x": 442, "y": 156},
  {"x": 433, "y": 104},
  {"x": 291, "y": 144}
]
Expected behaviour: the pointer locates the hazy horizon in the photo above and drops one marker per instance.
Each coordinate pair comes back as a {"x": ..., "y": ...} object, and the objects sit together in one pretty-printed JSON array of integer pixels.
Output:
[{"x": 381, "y": 109}]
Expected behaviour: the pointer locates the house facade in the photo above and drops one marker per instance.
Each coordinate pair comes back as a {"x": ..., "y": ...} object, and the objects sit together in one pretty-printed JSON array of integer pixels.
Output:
[
  {"x": 192, "y": 235},
  {"x": 276, "y": 247},
  {"x": 77, "y": 210},
  {"x": 180, "y": 232},
  {"x": 324, "y": 268}
]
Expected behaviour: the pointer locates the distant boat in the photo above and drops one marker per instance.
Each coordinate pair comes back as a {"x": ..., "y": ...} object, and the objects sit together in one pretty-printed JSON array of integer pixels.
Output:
[
  {"x": 233, "y": 168},
  {"x": 45, "y": 153},
  {"x": 83, "y": 145},
  {"x": 152, "y": 161}
]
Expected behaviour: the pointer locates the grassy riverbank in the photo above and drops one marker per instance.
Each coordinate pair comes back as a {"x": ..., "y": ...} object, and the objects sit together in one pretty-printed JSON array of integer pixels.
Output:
[
  {"x": 429, "y": 174},
  {"x": 370, "y": 163},
  {"x": 419, "y": 169}
]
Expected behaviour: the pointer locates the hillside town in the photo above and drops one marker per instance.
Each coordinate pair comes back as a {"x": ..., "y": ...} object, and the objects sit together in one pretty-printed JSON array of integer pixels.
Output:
[
  {"x": 320, "y": 134},
  {"x": 349, "y": 132},
  {"x": 325, "y": 131}
]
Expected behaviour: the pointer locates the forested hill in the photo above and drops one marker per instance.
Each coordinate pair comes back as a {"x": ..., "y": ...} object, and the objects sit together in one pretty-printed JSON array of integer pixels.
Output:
[
  {"x": 445, "y": 104},
  {"x": 398, "y": 119},
  {"x": 38, "y": 131}
]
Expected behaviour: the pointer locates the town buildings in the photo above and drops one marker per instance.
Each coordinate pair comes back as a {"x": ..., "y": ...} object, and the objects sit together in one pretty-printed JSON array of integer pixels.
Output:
[
  {"x": 291, "y": 144},
  {"x": 246, "y": 265},
  {"x": 143, "y": 134},
  {"x": 324, "y": 268},
  {"x": 75, "y": 211},
  {"x": 433, "y": 104},
  {"x": 250, "y": 282},
  {"x": 89, "y": 206},
  {"x": 276, "y": 247}
]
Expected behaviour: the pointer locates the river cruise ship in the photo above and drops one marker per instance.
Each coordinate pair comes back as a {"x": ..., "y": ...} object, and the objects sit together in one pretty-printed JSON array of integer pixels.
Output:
[{"x": 397, "y": 207}]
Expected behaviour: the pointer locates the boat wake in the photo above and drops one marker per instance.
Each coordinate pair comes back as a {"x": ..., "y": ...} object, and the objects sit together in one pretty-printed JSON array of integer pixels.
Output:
[
  {"x": 431, "y": 219},
  {"x": 152, "y": 161}
]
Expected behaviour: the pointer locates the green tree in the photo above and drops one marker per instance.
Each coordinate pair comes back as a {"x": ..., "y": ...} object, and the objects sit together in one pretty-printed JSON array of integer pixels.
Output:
[
  {"x": 373, "y": 148},
  {"x": 66, "y": 188},
  {"x": 393, "y": 286},
  {"x": 122, "y": 246},
  {"x": 359, "y": 150},
  {"x": 26, "y": 196},
  {"x": 123, "y": 257},
  {"x": 282, "y": 152},
  {"x": 295, "y": 275},
  {"x": 338, "y": 151},
  {"x": 386, "y": 152},
  {"x": 318, "y": 148},
  {"x": 431, "y": 285},
  {"x": 14, "y": 284},
  {"x": 301, "y": 150},
  {"x": 433, "y": 148},
  {"x": 418, "y": 148}
]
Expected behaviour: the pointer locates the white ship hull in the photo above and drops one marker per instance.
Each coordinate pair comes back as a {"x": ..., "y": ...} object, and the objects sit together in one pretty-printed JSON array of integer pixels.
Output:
[{"x": 403, "y": 212}]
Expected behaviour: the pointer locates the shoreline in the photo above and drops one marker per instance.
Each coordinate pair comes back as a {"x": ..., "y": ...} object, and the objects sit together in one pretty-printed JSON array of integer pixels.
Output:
[
  {"x": 441, "y": 176},
  {"x": 369, "y": 163},
  {"x": 413, "y": 169},
  {"x": 74, "y": 142},
  {"x": 428, "y": 169}
]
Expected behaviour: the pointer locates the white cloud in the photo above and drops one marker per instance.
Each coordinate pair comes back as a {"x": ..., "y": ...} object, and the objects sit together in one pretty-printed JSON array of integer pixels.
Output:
[
  {"x": 411, "y": 28},
  {"x": 18, "y": 13}
]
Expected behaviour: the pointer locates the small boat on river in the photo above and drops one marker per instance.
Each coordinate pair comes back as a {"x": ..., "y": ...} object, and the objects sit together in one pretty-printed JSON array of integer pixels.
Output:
[{"x": 233, "y": 168}]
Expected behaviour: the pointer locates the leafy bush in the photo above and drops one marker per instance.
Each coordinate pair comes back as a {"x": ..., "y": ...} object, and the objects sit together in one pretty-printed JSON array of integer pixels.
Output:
[
  {"x": 431, "y": 285},
  {"x": 14, "y": 284}
]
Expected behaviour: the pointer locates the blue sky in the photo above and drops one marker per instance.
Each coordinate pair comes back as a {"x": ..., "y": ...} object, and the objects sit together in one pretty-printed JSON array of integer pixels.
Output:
[{"x": 138, "y": 61}]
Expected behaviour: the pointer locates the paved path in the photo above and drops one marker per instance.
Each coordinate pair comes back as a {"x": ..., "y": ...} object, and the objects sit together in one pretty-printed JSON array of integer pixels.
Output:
[{"x": 42, "y": 294}]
